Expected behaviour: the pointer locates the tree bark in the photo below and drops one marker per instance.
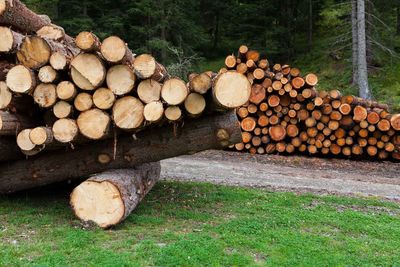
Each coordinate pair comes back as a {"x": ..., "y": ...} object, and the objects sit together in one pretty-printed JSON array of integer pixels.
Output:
[
  {"x": 108, "y": 198},
  {"x": 354, "y": 31},
  {"x": 9, "y": 149},
  {"x": 149, "y": 146},
  {"x": 362, "y": 52}
]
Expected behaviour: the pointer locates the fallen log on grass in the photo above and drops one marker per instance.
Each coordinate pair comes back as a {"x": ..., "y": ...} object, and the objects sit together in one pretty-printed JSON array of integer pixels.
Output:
[
  {"x": 108, "y": 198},
  {"x": 152, "y": 145}
]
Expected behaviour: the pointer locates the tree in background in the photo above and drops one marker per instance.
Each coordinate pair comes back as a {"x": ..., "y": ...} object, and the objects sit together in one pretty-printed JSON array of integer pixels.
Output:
[{"x": 361, "y": 41}]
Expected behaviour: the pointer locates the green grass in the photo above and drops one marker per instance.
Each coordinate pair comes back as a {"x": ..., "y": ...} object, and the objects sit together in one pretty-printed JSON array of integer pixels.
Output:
[{"x": 191, "y": 224}]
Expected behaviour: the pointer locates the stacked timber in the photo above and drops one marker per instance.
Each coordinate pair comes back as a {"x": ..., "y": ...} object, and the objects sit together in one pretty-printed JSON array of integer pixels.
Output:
[
  {"x": 287, "y": 114},
  {"x": 59, "y": 91},
  {"x": 92, "y": 105}
]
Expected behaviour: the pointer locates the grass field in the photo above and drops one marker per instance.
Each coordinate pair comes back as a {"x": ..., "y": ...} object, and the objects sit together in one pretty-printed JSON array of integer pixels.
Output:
[{"x": 194, "y": 224}]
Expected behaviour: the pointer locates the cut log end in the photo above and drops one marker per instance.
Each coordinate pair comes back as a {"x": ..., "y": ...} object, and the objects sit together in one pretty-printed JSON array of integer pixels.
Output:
[
  {"x": 23, "y": 140},
  {"x": 62, "y": 109},
  {"x": 154, "y": 111},
  {"x": 6, "y": 40},
  {"x": 65, "y": 130},
  {"x": 121, "y": 79},
  {"x": 45, "y": 95},
  {"x": 144, "y": 66},
  {"x": 34, "y": 53},
  {"x": 87, "y": 71},
  {"x": 83, "y": 102},
  {"x": 41, "y": 135},
  {"x": 174, "y": 91},
  {"x": 149, "y": 90},
  {"x": 200, "y": 83},
  {"x": 66, "y": 90},
  {"x": 58, "y": 61},
  {"x": 113, "y": 49},
  {"x": 173, "y": 113},
  {"x": 195, "y": 104},
  {"x": 93, "y": 124},
  {"x": 231, "y": 89},
  {"x": 87, "y": 41},
  {"x": 20, "y": 79},
  {"x": 103, "y": 98},
  {"x": 47, "y": 74},
  {"x": 127, "y": 113}
]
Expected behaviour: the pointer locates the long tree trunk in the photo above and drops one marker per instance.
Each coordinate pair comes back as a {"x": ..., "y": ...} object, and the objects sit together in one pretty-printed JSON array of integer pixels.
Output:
[
  {"x": 364, "y": 91},
  {"x": 149, "y": 146},
  {"x": 354, "y": 31},
  {"x": 398, "y": 20},
  {"x": 108, "y": 198}
]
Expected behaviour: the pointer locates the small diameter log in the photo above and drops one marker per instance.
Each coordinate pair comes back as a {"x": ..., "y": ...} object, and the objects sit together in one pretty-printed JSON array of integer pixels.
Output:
[
  {"x": 65, "y": 130},
  {"x": 41, "y": 136},
  {"x": 87, "y": 71},
  {"x": 153, "y": 112},
  {"x": 9, "y": 40},
  {"x": 195, "y": 104},
  {"x": 120, "y": 79},
  {"x": 258, "y": 94},
  {"x": 395, "y": 122},
  {"x": 311, "y": 79},
  {"x": 94, "y": 124},
  {"x": 63, "y": 109},
  {"x": 47, "y": 74},
  {"x": 146, "y": 67},
  {"x": 21, "y": 80},
  {"x": 149, "y": 90},
  {"x": 66, "y": 90},
  {"x": 277, "y": 133},
  {"x": 152, "y": 145},
  {"x": 360, "y": 113},
  {"x": 83, "y": 102},
  {"x": 298, "y": 83},
  {"x": 25, "y": 144},
  {"x": 35, "y": 51},
  {"x": 173, "y": 113},
  {"x": 11, "y": 124},
  {"x": 108, "y": 198},
  {"x": 115, "y": 51},
  {"x": 103, "y": 98},
  {"x": 127, "y": 113},
  {"x": 59, "y": 60},
  {"x": 200, "y": 83},
  {"x": 248, "y": 124},
  {"x": 88, "y": 42},
  {"x": 174, "y": 91},
  {"x": 230, "y": 62},
  {"x": 231, "y": 90},
  {"x": 45, "y": 95}
]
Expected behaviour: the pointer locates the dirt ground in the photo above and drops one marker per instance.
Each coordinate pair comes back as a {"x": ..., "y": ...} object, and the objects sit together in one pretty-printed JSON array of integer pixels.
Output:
[{"x": 288, "y": 173}]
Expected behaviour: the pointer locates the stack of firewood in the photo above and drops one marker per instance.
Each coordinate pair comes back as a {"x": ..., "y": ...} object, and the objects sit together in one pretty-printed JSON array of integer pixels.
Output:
[
  {"x": 287, "y": 114},
  {"x": 91, "y": 105}
]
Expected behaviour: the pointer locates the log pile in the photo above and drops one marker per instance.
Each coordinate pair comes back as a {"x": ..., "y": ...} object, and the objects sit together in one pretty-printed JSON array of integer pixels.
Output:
[
  {"x": 287, "y": 114},
  {"x": 59, "y": 91},
  {"x": 74, "y": 107}
]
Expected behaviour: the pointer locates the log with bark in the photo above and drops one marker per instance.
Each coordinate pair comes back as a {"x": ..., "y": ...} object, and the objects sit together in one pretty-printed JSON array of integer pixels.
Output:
[
  {"x": 218, "y": 131},
  {"x": 108, "y": 198}
]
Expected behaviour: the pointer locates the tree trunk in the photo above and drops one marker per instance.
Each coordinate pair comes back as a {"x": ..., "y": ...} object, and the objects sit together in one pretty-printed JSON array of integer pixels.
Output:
[
  {"x": 362, "y": 52},
  {"x": 398, "y": 20},
  {"x": 354, "y": 31},
  {"x": 108, "y": 198},
  {"x": 149, "y": 146},
  {"x": 310, "y": 24}
]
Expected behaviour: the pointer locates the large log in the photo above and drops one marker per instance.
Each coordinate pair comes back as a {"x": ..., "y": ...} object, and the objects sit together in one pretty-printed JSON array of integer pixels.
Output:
[
  {"x": 9, "y": 149},
  {"x": 15, "y": 14},
  {"x": 149, "y": 146},
  {"x": 108, "y": 198}
]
